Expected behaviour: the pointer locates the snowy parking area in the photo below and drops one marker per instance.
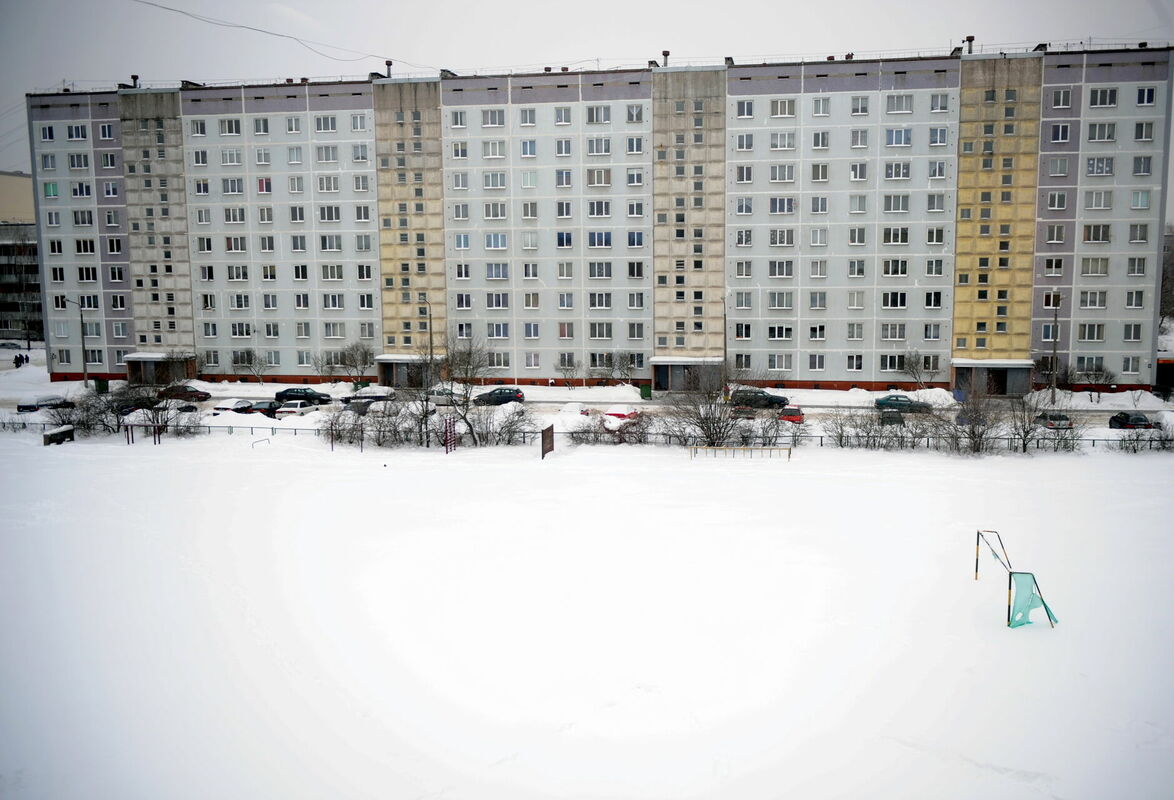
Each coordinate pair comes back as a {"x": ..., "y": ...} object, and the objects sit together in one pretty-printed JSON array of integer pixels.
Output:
[{"x": 223, "y": 617}]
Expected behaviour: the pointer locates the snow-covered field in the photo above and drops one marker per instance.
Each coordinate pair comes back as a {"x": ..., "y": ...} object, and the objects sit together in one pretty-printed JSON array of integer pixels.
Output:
[{"x": 209, "y": 618}]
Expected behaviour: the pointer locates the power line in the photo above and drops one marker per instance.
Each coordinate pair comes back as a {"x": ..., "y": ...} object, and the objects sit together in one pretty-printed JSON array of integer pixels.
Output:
[{"x": 306, "y": 43}]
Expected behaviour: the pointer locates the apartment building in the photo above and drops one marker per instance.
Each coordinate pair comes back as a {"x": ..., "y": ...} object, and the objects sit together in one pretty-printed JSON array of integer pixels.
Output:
[{"x": 951, "y": 219}]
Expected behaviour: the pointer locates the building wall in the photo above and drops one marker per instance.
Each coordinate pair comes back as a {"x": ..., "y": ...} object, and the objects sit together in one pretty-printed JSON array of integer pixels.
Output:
[
  {"x": 997, "y": 169},
  {"x": 840, "y": 264},
  {"x": 16, "y": 198},
  {"x": 282, "y": 225},
  {"x": 1102, "y": 296},
  {"x": 409, "y": 142},
  {"x": 813, "y": 223},
  {"x": 548, "y": 226},
  {"x": 80, "y": 211},
  {"x": 20, "y": 282}
]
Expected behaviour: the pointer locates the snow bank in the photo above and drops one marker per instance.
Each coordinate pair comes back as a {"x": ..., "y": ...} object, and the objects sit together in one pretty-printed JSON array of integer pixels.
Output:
[{"x": 206, "y": 618}]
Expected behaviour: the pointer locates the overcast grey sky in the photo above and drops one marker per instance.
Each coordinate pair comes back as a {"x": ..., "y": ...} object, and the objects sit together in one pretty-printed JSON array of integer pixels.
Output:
[{"x": 95, "y": 45}]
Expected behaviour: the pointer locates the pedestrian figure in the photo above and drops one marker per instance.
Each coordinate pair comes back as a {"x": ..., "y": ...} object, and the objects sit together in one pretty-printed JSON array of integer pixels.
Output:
[{"x": 16, "y": 362}]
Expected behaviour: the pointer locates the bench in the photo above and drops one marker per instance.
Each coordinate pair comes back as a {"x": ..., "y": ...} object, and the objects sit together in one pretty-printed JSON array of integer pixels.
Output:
[{"x": 57, "y": 435}]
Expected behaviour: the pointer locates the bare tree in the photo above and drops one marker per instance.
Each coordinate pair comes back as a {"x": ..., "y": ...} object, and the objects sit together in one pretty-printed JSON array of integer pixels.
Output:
[
  {"x": 1099, "y": 376},
  {"x": 466, "y": 362},
  {"x": 569, "y": 370},
  {"x": 701, "y": 412},
  {"x": 251, "y": 362},
  {"x": 922, "y": 370},
  {"x": 980, "y": 420},
  {"x": 623, "y": 366},
  {"x": 1021, "y": 424},
  {"x": 324, "y": 364},
  {"x": 356, "y": 360}
]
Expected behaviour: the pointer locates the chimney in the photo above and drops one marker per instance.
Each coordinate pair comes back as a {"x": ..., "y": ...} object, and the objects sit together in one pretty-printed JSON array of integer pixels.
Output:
[
  {"x": 831, "y": 58},
  {"x": 969, "y": 45},
  {"x": 1143, "y": 45},
  {"x": 134, "y": 79},
  {"x": 849, "y": 56},
  {"x": 289, "y": 80},
  {"x": 546, "y": 69},
  {"x": 388, "y": 64},
  {"x": 565, "y": 69},
  {"x": 305, "y": 80},
  {"x": 665, "y": 54}
]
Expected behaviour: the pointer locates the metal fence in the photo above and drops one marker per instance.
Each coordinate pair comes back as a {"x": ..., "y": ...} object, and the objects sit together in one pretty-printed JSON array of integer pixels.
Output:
[{"x": 135, "y": 433}]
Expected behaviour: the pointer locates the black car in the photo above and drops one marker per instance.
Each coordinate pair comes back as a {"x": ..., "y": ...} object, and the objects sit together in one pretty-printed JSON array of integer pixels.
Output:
[
  {"x": 266, "y": 407},
  {"x": 49, "y": 401},
  {"x": 303, "y": 393},
  {"x": 500, "y": 396},
  {"x": 1130, "y": 419},
  {"x": 183, "y": 392},
  {"x": 899, "y": 402},
  {"x": 757, "y": 398},
  {"x": 131, "y": 405}
]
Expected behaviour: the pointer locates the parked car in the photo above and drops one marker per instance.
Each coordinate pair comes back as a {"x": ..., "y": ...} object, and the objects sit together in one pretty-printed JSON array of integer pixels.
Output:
[
  {"x": 454, "y": 395},
  {"x": 899, "y": 402},
  {"x": 891, "y": 417},
  {"x": 303, "y": 393},
  {"x": 1131, "y": 419},
  {"x": 182, "y": 392},
  {"x": 622, "y": 412},
  {"x": 757, "y": 398},
  {"x": 296, "y": 408},
  {"x": 1054, "y": 420},
  {"x": 233, "y": 404},
  {"x": 500, "y": 396},
  {"x": 371, "y": 393},
  {"x": 131, "y": 405},
  {"x": 48, "y": 401},
  {"x": 9, "y": 346},
  {"x": 743, "y": 412},
  {"x": 266, "y": 407},
  {"x": 574, "y": 408},
  {"x": 791, "y": 414}
]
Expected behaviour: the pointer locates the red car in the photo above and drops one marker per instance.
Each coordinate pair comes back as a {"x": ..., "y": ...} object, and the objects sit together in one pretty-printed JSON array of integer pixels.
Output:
[{"x": 791, "y": 414}]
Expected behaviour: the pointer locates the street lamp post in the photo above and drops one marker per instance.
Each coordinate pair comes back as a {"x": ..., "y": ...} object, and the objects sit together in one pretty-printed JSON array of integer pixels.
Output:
[
  {"x": 82, "y": 339},
  {"x": 428, "y": 369}
]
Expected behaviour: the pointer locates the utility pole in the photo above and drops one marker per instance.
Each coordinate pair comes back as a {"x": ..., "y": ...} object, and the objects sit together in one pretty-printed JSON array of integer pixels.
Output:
[
  {"x": 82, "y": 338},
  {"x": 1055, "y": 342}
]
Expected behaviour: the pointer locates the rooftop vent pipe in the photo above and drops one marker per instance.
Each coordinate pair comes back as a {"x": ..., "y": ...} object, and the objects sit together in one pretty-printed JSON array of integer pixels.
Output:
[
  {"x": 969, "y": 45},
  {"x": 665, "y": 54}
]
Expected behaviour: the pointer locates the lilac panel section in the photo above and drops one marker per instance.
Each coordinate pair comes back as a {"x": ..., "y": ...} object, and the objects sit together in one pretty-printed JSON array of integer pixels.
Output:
[
  {"x": 618, "y": 87},
  {"x": 1041, "y": 236},
  {"x": 58, "y": 111},
  {"x": 932, "y": 73},
  {"x": 1063, "y": 68},
  {"x": 108, "y": 202},
  {"x": 545, "y": 93},
  {"x": 1075, "y": 98},
  {"x": 341, "y": 98},
  {"x": 1053, "y": 215},
  {"x": 289, "y": 98},
  {"x": 766, "y": 79},
  {"x": 1047, "y": 145},
  {"x": 478, "y": 91},
  {"x": 227, "y": 100}
]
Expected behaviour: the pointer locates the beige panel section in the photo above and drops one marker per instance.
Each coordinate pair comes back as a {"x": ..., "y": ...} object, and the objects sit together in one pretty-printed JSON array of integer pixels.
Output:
[
  {"x": 997, "y": 177},
  {"x": 411, "y": 216},
  {"x": 160, "y": 266},
  {"x": 689, "y": 129},
  {"x": 16, "y": 197}
]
